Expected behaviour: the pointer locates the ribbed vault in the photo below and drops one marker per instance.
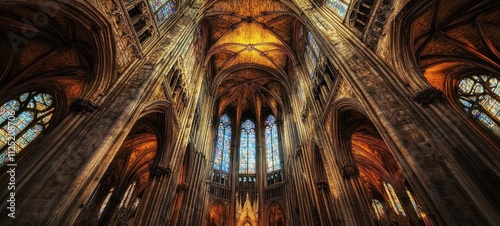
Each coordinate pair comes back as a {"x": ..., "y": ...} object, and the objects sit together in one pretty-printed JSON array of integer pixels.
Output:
[{"x": 250, "y": 53}]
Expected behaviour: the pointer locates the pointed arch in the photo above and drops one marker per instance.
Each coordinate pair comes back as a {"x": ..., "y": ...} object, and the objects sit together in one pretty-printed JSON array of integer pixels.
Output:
[
  {"x": 273, "y": 152},
  {"x": 247, "y": 148},
  {"x": 222, "y": 150}
]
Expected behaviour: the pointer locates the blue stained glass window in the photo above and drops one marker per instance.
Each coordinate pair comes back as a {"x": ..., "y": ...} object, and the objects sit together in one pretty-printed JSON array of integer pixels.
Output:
[
  {"x": 339, "y": 6},
  {"x": 480, "y": 97},
  {"x": 162, "y": 9},
  {"x": 311, "y": 54},
  {"x": 223, "y": 145},
  {"x": 272, "y": 145},
  {"x": 378, "y": 208},
  {"x": 393, "y": 199},
  {"x": 23, "y": 118},
  {"x": 247, "y": 148}
]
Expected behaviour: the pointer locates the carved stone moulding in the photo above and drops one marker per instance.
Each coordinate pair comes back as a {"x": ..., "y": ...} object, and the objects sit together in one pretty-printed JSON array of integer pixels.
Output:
[
  {"x": 82, "y": 107},
  {"x": 349, "y": 171},
  {"x": 159, "y": 171},
  {"x": 182, "y": 187},
  {"x": 322, "y": 185},
  {"x": 429, "y": 96}
]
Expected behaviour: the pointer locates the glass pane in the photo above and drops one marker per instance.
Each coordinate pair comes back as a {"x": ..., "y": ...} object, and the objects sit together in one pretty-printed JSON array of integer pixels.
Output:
[
  {"x": 394, "y": 200},
  {"x": 7, "y": 108},
  {"x": 247, "y": 148},
  {"x": 33, "y": 112},
  {"x": 479, "y": 94},
  {"x": 162, "y": 9},
  {"x": 338, "y": 6},
  {"x": 223, "y": 144},
  {"x": 272, "y": 145},
  {"x": 105, "y": 203}
]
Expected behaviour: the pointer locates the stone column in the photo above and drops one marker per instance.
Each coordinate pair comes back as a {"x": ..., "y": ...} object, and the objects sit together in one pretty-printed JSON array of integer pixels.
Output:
[{"x": 154, "y": 205}]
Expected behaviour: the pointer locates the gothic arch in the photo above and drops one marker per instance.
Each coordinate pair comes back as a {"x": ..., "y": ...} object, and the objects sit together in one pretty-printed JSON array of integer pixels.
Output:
[
  {"x": 132, "y": 165},
  {"x": 47, "y": 47},
  {"x": 442, "y": 44},
  {"x": 87, "y": 57},
  {"x": 365, "y": 158}
]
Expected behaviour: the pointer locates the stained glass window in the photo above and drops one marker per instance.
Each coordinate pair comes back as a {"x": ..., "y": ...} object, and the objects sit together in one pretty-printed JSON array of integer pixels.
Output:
[
  {"x": 105, "y": 202},
  {"x": 272, "y": 146},
  {"x": 127, "y": 196},
  {"x": 24, "y": 118},
  {"x": 223, "y": 145},
  {"x": 480, "y": 97},
  {"x": 311, "y": 54},
  {"x": 247, "y": 148},
  {"x": 413, "y": 203},
  {"x": 378, "y": 208},
  {"x": 393, "y": 199},
  {"x": 162, "y": 9},
  {"x": 136, "y": 203},
  {"x": 339, "y": 6}
]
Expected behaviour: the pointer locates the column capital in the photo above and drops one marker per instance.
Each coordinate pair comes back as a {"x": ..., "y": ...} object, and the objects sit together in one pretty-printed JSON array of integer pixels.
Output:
[
  {"x": 429, "y": 96},
  {"x": 82, "y": 107},
  {"x": 349, "y": 171},
  {"x": 322, "y": 185},
  {"x": 159, "y": 171}
]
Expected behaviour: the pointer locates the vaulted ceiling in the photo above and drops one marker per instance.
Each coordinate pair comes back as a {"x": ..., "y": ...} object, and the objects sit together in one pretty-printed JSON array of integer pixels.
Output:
[
  {"x": 457, "y": 37},
  {"x": 251, "y": 52}
]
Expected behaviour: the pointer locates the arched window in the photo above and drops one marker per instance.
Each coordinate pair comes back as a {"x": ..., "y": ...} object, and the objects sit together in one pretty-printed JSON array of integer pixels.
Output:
[
  {"x": 272, "y": 146},
  {"x": 24, "y": 118},
  {"x": 378, "y": 208},
  {"x": 414, "y": 204},
  {"x": 247, "y": 148},
  {"x": 311, "y": 54},
  {"x": 127, "y": 196},
  {"x": 105, "y": 202},
  {"x": 162, "y": 9},
  {"x": 339, "y": 6},
  {"x": 393, "y": 199},
  {"x": 222, "y": 149},
  {"x": 480, "y": 97}
]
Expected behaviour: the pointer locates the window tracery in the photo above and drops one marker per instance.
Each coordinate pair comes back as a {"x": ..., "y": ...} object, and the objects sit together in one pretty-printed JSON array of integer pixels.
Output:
[
  {"x": 24, "y": 117},
  {"x": 162, "y": 9},
  {"x": 339, "y": 6},
  {"x": 272, "y": 145},
  {"x": 247, "y": 148},
  {"x": 480, "y": 98},
  {"x": 222, "y": 149},
  {"x": 378, "y": 208},
  {"x": 393, "y": 199},
  {"x": 311, "y": 54},
  {"x": 127, "y": 196},
  {"x": 105, "y": 202}
]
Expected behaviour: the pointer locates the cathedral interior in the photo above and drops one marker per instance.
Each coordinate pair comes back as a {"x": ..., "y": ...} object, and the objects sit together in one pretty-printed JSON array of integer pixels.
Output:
[{"x": 250, "y": 112}]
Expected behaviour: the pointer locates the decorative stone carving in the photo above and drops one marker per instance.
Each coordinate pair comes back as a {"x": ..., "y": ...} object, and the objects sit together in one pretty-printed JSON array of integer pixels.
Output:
[
  {"x": 349, "y": 171},
  {"x": 182, "y": 187},
  {"x": 305, "y": 113},
  {"x": 126, "y": 29},
  {"x": 159, "y": 171},
  {"x": 82, "y": 107},
  {"x": 429, "y": 96},
  {"x": 376, "y": 29},
  {"x": 322, "y": 185}
]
